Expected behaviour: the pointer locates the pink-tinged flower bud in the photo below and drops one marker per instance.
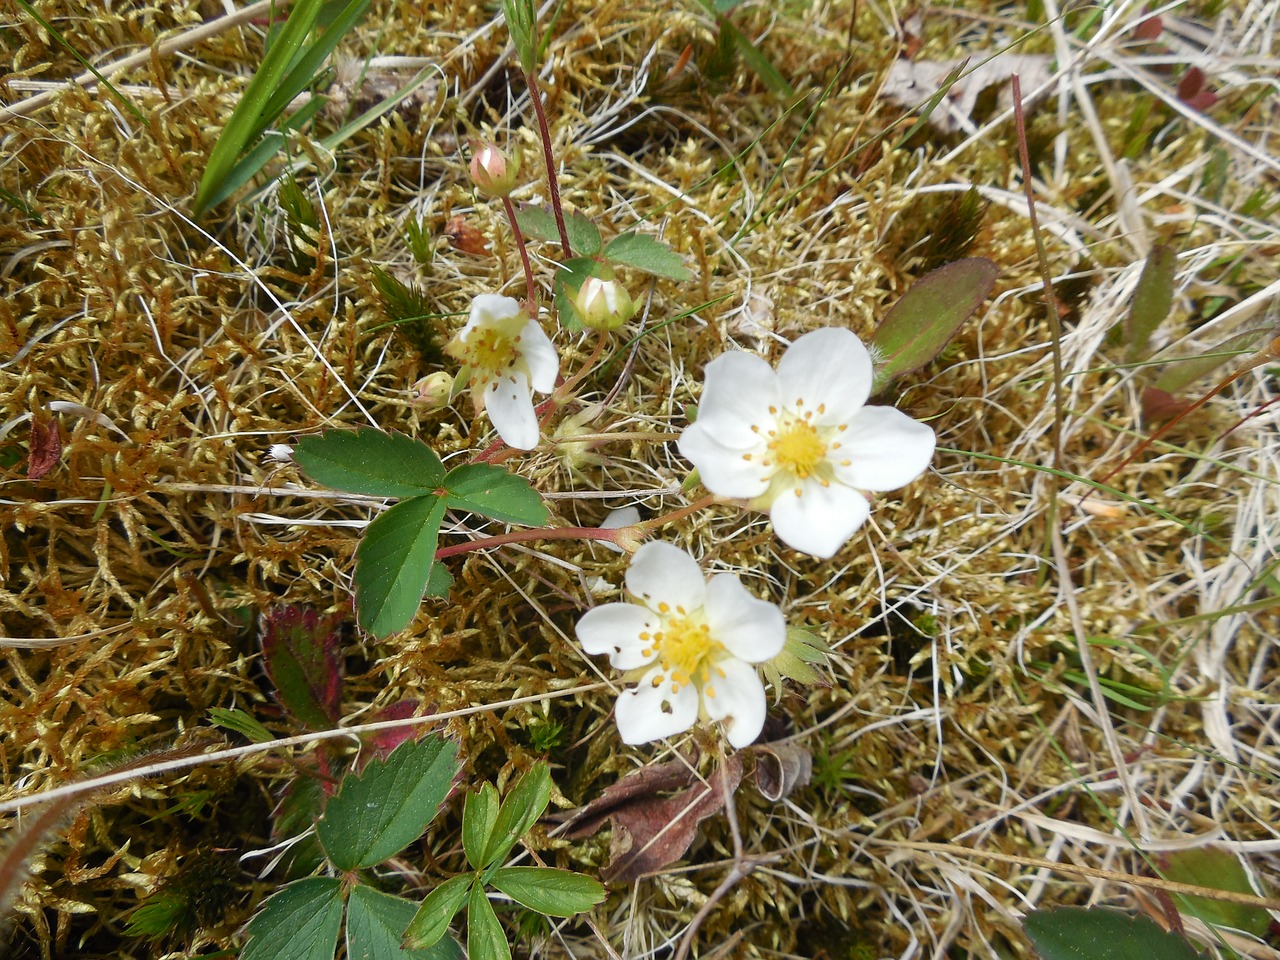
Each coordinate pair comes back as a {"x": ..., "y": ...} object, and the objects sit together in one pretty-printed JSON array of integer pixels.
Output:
[
  {"x": 491, "y": 171},
  {"x": 604, "y": 304}
]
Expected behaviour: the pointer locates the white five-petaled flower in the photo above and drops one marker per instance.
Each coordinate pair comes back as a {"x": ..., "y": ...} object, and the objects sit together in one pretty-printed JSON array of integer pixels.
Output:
[
  {"x": 800, "y": 442},
  {"x": 691, "y": 643},
  {"x": 505, "y": 353}
]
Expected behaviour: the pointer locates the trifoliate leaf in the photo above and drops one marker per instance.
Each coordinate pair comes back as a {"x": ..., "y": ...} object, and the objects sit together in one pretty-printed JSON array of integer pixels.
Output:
[
  {"x": 556, "y": 893},
  {"x": 371, "y": 462},
  {"x": 495, "y": 493},
  {"x": 376, "y": 814},
  {"x": 643, "y": 252},
  {"x": 300, "y": 922},
  {"x": 1078, "y": 933},
  {"x": 394, "y": 563},
  {"x": 375, "y": 924},
  {"x": 432, "y": 920},
  {"x": 520, "y": 809}
]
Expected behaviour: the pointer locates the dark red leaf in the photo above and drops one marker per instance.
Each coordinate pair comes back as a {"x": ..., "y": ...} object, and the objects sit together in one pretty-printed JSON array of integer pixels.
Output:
[
  {"x": 301, "y": 650},
  {"x": 384, "y": 741},
  {"x": 1149, "y": 29},
  {"x": 45, "y": 448}
]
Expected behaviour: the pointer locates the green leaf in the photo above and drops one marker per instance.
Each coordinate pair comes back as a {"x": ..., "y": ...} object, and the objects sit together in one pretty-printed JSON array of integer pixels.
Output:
[
  {"x": 485, "y": 937},
  {"x": 248, "y": 119},
  {"x": 1216, "y": 869},
  {"x": 643, "y": 252},
  {"x": 370, "y": 462},
  {"x": 479, "y": 814},
  {"x": 431, "y": 922},
  {"x": 307, "y": 66},
  {"x": 439, "y": 580},
  {"x": 1078, "y": 933},
  {"x": 394, "y": 564},
  {"x": 920, "y": 324},
  {"x": 557, "y": 893},
  {"x": 584, "y": 237},
  {"x": 495, "y": 493},
  {"x": 522, "y": 19},
  {"x": 374, "y": 924},
  {"x": 376, "y": 814},
  {"x": 797, "y": 659},
  {"x": 241, "y": 722},
  {"x": 521, "y": 808},
  {"x": 537, "y": 223},
  {"x": 1151, "y": 300},
  {"x": 300, "y": 922},
  {"x": 1180, "y": 372}
]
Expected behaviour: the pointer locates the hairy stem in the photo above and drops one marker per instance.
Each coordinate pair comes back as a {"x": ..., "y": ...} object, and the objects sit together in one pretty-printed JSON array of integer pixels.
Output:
[{"x": 553, "y": 186}]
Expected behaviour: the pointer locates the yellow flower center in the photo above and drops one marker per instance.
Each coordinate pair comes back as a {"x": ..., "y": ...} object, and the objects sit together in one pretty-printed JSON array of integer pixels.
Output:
[
  {"x": 491, "y": 351},
  {"x": 686, "y": 648},
  {"x": 797, "y": 448}
]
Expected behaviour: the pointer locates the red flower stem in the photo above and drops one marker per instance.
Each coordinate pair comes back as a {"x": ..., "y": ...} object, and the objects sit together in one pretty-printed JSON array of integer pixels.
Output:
[
  {"x": 524, "y": 255},
  {"x": 675, "y": 515},
  {"x": 562, "y": 392},
  {"x": 535, "y": 95}
]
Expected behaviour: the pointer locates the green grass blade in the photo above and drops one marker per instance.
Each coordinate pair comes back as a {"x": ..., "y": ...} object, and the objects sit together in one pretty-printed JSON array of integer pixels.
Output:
[
  {"x": 304, "y": 71},
  {"x": 248, "y": 120}
]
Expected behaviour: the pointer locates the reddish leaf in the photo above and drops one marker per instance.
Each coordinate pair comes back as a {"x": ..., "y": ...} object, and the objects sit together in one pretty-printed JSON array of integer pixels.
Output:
[
  {"x": 1160, "y": 404},
  {"x": 465, "y": 237},
  {"x": 301, "y": 652},
  {"x": 1149, "y": 29},
  {"x": 1192, "y": 91},
  {"x": 45, "y": 449},
  {"x": 384, "y": 741},
  {"x": 651, "y": 832}
]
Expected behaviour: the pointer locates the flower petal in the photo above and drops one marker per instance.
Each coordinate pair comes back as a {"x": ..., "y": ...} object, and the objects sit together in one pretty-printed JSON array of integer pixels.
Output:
[
  {"x": 615, "y": 629},
  {"x": 819, "y": 519},
  {"x": 541, "y": 357},
  {"x": 725, "y": 471},
  {"x": 752, "y": 629},
  {"x": 829, "y": 368},
  {"x": 654, "y": 710},
  {"x": 510, "y": 408},
  {"x": 663, "y": 573},
  {"x": 739, "y": 392},
  {"x": 736, "y": 699},
  {"x": 883, "y": 449},
  {"x": 495, "y": 311}
]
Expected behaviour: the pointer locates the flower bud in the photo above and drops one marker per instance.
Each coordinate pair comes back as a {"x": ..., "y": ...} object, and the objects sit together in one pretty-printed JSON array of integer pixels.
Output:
[
  {"x": 492, "y": 173},
  {"x": 434, "y": 391},
  {"x": 604, "y": 304}
]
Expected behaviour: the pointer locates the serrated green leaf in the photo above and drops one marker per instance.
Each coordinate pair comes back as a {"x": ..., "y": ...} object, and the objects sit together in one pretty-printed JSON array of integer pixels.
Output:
[
  {"x": 293, "y": 818},
  {"x": 376, "y": 814},
  {"x": 643, "y": 252},
  {"x": 537, "y": 224},
  {"x": 584, "y": 237},
  {"x": 556, "y": 893},
  {"x": 1216, "y": 869},
  {"x": 370, "y": 462},
  {"x": 1151, "y": 300},
  {"x": 928, "y": 315},
  {"x": 431, "y": 922},
  {"x": 495, "y": 493},
  {"x": 485, "y": 937},
  {"x": 375, "y": 922},
  {"x": 1078, "y": 933},
  {"x": 300, "y": 922},
  {"x": 241, "y": 722},
  {"x": 301, "y": 652},
  {"x": 394, "y": 563},
  {"x": 520, "y": 809},
  {"x": 479, "y": 814}
]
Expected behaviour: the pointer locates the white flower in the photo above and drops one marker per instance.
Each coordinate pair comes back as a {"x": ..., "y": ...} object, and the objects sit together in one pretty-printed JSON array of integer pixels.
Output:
[
  {"x": 800, "y": 443},
  {"x": 691, "y": 643},
  {"x": 504, "y": 352}
]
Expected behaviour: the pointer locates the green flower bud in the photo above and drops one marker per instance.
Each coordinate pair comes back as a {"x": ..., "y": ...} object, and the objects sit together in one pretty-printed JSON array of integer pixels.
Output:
[{"x": 604, "y": 304}]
